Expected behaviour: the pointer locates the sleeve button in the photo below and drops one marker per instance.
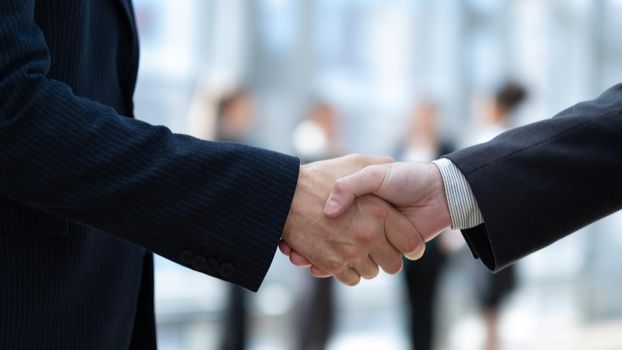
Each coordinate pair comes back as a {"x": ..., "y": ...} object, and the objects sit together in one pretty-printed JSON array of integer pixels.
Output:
[
  {"x": 199, "y": 263},
  {"x": 212, "y": 266},
  {"x": 185, "y": 257},
  {"x": 226, "y": 270}
]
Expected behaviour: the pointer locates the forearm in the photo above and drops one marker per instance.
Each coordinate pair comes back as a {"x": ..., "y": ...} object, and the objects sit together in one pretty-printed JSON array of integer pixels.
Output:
[
  {"x": 81, "y": 161},
  {"x": 539, "y": 183}
]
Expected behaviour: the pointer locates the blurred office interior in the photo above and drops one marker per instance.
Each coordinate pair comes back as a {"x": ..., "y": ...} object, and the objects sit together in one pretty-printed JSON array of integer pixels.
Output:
[{"x": 372, "y": 61}]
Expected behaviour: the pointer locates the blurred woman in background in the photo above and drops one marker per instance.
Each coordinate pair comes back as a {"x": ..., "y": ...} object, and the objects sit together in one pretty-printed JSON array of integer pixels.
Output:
[
  {"x": 423, "y": 143},
  {"x": 494, "y": 288}
]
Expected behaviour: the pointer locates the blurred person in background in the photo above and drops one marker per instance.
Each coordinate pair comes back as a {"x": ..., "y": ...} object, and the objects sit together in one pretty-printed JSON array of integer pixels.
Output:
[
  {"x": 317, "y": 137},
  {"x": 423, "y": 143},
  {"x": 493, "y": 289},
  {"x": 516, "y": 194},
  {"x": 235, "y": 115},
  {"x": 495, "y": 114}
]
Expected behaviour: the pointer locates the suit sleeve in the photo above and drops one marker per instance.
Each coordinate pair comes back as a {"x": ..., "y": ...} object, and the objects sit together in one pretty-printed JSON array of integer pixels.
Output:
[
  {"x": 538, "y": 183},
  {"x": 191, "y": 201}
]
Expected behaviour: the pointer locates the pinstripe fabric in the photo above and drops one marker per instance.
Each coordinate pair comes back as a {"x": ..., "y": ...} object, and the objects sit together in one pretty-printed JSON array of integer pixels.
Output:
[
  {"x": 86, "y": 193},
  {"x": 462, "y": 205}
]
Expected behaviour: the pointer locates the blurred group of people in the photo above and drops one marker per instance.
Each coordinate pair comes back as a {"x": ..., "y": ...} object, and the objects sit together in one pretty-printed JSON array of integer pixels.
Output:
[{"x": 318, "y": 136}]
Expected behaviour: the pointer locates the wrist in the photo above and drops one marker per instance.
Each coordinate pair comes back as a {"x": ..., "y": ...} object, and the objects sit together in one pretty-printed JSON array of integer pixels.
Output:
[
  {"x": 463, "y": 209},
  {"x": 291, "y": 216},
  {"x": 439, "y": 198},
  {"x": 309, "y": 190}
]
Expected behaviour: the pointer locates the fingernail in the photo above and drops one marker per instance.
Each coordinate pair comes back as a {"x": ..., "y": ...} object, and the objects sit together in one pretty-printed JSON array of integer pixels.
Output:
[
  {"x": 331, "y": 206},
  {"x": 416, "y": 254}
]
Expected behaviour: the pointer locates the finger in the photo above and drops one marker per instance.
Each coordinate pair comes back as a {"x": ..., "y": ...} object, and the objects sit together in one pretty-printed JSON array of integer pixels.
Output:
[
  {"x": 387, "y": 257},
  {"x": 298, "y": 259},
  {"x": 380, "y": 160},
  {"x": 365, "y": 160},
  {"x": 404, "y": 236},
  {"x": 346, "y": 189},
  {"x": 294, "y": 257},
  {"x": 318, "y": 273},
  {"x": 348, "y": 276},
  {"x": 367, "y": 269},
  {"x": 284, "y": 248}
]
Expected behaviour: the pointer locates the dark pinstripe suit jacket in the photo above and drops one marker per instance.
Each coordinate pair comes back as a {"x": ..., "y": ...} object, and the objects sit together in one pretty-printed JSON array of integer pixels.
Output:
[
  {"x": 538, "y": 183},
  {"x": 86, "y": 192}
]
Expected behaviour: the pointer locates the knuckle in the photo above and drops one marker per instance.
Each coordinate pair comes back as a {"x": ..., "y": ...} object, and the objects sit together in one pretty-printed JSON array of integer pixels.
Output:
[
  {"x": 376, "y": 175},
  {"x": 366, "y": 237},
  {"x": 339, "y": 186},
  {"x": 333, "y": 266},
  {"x": 377, "y": 210},
  {"x": 350, "y": 253},
  {"x": 373, "y": 173}
]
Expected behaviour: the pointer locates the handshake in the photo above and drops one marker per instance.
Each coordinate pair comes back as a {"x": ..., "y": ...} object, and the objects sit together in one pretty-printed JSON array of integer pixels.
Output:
[{"x": 352, "y": 215}]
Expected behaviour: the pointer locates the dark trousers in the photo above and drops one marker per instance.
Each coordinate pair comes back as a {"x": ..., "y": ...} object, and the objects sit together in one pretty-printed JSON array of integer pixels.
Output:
[
  {"x": 422, "y": 278},
  {"x": 236, "y": 323},
  {"x": 316, "y": 320}
]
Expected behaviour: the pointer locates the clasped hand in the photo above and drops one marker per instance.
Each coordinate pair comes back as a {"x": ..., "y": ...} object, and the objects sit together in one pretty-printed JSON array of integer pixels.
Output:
[{"x": 352, "y": 215}]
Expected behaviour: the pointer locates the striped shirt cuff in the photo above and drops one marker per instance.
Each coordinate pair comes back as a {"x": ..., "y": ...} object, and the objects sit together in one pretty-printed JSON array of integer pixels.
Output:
[{"x": 463, "y": 207}]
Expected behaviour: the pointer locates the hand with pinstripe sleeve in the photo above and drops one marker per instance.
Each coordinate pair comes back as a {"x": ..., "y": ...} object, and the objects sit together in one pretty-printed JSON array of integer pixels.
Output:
[
  {"x": 371, "y": 234},
  {"x": 415, "y": 189}
]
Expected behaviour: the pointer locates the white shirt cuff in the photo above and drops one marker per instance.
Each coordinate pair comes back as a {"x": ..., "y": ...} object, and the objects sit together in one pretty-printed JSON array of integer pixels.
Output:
[{"x": 463, "y": 207}]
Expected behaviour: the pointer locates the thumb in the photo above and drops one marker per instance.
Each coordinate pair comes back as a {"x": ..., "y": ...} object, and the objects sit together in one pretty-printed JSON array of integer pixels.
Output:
[{"x": 367, "y": 181}]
